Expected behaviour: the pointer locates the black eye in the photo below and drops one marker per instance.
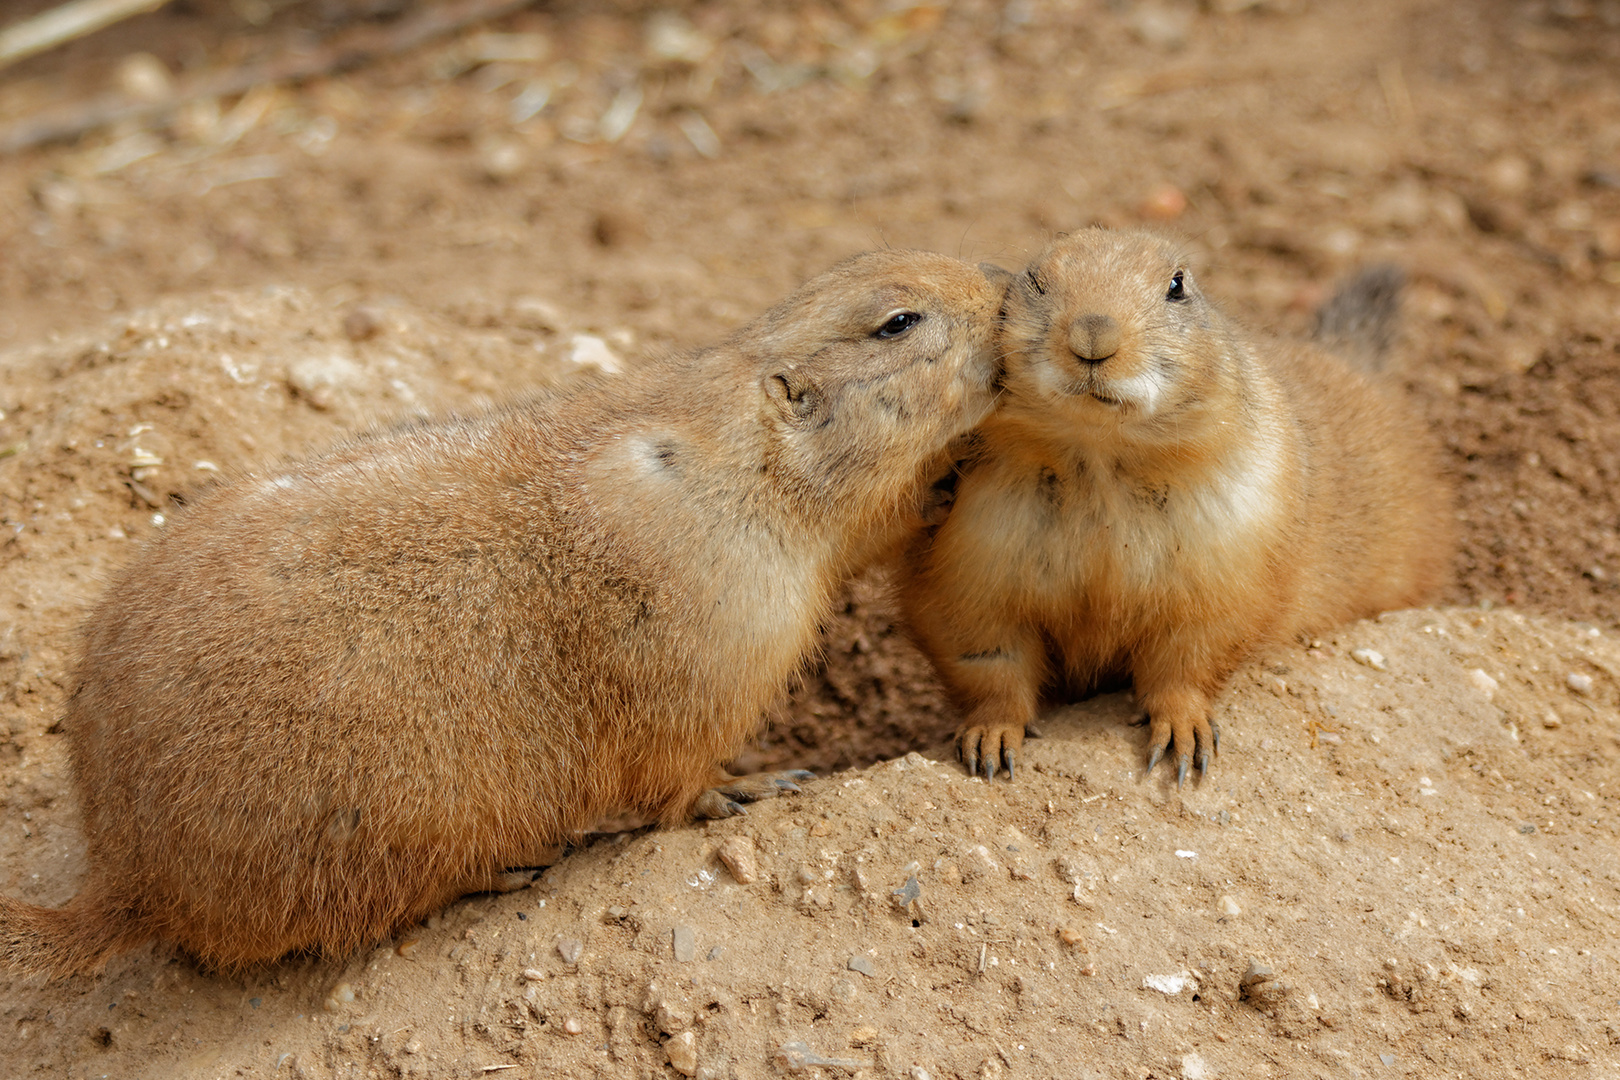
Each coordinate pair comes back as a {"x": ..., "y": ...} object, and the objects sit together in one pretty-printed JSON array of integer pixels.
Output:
[
  {"x": 898, "y": 324},
  {"x": 1177, "y": 290}
]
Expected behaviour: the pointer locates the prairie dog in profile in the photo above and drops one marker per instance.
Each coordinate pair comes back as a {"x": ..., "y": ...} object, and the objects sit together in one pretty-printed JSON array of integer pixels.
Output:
[
  {"x": 1159, "y": 495},
  {"x": 334, "y": 696}
]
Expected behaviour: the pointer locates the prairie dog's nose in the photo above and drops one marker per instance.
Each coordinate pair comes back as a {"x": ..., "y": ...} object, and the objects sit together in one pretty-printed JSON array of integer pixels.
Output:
[{"x": 1094, "y": 337}]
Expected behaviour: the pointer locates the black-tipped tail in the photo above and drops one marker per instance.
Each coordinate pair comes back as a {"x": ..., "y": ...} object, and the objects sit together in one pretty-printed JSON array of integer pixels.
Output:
[{"x": 1363, "y": 318}]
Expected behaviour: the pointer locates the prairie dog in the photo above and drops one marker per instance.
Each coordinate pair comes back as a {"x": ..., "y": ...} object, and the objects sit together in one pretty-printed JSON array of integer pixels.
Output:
[
  {"x": 334, "y": 696},
  {"x": 1159, "y": 495}
]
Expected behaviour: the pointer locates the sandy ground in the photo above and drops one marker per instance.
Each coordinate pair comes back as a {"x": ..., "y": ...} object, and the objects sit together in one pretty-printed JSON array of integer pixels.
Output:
[{"x": 1424, "y": 855}]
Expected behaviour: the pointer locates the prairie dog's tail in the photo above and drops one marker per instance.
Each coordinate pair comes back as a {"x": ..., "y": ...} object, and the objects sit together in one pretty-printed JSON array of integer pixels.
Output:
[
  {"x": 1361, "y": 319},
  {"x": 78, "y": 938}
]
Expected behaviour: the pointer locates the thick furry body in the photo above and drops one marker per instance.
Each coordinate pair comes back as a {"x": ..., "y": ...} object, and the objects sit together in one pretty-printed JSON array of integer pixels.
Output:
[
  {"x": 1158, "y": 496},
  {"x": 333, "y": 697}
]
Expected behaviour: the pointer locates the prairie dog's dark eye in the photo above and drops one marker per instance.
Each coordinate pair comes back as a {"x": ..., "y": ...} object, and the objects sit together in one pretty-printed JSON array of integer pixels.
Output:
[
  {"x": 898, "y": 323},
  {"x": 1178, "y": 289}
]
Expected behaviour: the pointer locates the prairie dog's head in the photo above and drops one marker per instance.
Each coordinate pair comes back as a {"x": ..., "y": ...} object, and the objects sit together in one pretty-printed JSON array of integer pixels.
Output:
[
  {"x": 869, "y": 370},
  {"x": 1109, "y": 329}
]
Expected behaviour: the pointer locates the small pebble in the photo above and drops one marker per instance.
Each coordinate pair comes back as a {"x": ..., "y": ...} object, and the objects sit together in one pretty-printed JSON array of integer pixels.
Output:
[
  {"x": 1229, "y": 906},
  {"x": 684, "y": 939},
  {"x": 862, "y": 965},
  {"x": 588, "y": 350},
  {"x": 1551, "y": 720},
  {"x": 682, "y": 1051},
  {"x": 1164, "y": 203},
  {"x": 572, "y": 1026},
  {"x": 1371, "y": 657},
  {"x": 342, "y": 994},
  {"x": 361, "y": 324},
  {"x": 670, "y": 1017},
  {"x": 1259, "y": 984},
  {"x": 533, "y": 974},
  {"x": 570, "y": 949},
  {"x": 1072, "y": 938},
  {"x": 1168, "y": 984},
  {"x": 737, "y": 855},
  {"x": 1194, "y": 1067},
  {"x": 1483, "y": 683},
  {"x": 1579, "y": 682}
]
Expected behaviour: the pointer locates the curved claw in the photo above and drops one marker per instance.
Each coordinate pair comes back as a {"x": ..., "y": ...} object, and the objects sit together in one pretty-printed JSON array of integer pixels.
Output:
[
  {"x": 1155, "y": 757},
  {"x": 801, "y": 775},
  {"x": 1183, "y": 763},
  {"x": 1008, "y": 759},
  {"x": 1215, "y": 735},
  {"x": 736, "y": 807},
  {"x": 787, "y": 785},
  {"x": 970, "y": 758}
]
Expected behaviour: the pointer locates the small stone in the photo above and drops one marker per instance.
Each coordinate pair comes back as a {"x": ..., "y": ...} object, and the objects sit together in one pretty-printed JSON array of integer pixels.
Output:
[
  {"x": 671, "y": 1017},
  {"x": 1551, "y": 720},
  {"x": 570, "y": 949},
  {"x": 862, "y": 965},
  {"x": 1370, "y": 657},
  {"x": 1229, "y": 906},
  {"x": 908, "y": 893},
  {"x": 684, "y": 939},
  {"x": 1259, "y": 985},
  {"x": 145, "y": 78},
  {"x": 503, "y": 157},
  {"x": 682, "y": 1051},
  {"x": 317, "y": 378},
  {"x": 1387, "y": 1059},
  {"x": 572, "y": 1026},
  {"x": 1194, "y": 1067},
  {"x": 588, "y": 350},
  {"x": 1483, "y": 683},
  {"x": 342, "y": 994},
  {"x": 864, "y": 1035},
  {"x": 1579, "y": 682},
  {"x": 737, "y": 855},
  {"x": 1169, "y": 984},
  {"x": 533, "y": 313},
  {"x": 1072, "y": 938},
  {"x": 533, "y": 974},
  {"x": 1164, "y": 203},
  {"x": 361, "y": 324}
]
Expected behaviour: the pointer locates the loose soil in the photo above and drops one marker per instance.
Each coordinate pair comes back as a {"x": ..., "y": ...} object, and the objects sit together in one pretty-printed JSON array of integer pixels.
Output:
[{"x": 1422, "y": 851}]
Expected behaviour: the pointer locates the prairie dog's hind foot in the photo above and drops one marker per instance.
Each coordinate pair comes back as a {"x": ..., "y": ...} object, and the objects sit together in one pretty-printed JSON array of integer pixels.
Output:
[
  {"x": 725, "y": 799},
  {"x": 990, "y": 747}
]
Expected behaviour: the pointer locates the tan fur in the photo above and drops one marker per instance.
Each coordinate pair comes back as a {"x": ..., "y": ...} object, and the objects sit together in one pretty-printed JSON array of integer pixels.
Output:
[
  {"x": 1183, "y": 498},
  {"x": 332, "y": 697}
]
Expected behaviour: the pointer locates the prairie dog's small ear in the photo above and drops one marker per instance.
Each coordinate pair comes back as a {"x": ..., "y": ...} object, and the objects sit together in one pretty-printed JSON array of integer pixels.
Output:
[
  {"x": 996, "y": 274},
  {"x": 792, "y": 394}
]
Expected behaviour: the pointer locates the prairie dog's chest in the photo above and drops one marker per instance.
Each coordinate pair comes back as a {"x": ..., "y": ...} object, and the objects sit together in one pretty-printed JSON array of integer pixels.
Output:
[{"x": 1086, "y": 522}]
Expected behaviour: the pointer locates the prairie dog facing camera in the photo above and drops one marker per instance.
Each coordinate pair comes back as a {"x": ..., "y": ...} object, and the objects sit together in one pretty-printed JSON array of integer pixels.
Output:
[
  {"x": 1159, "y": 495},
  {"x": 333, "y": 696}
]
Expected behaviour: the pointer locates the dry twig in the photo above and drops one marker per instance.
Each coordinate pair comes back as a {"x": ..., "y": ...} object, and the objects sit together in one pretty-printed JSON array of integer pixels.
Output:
[
  {"x": 354, "y": 50},
  {"x": 62, "y": 24}
]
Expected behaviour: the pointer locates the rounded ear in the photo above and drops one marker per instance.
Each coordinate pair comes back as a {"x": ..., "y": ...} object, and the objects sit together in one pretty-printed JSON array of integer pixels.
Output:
[
  {"x": 794, "y": 396},
  {"x": 996, "y": 274}
]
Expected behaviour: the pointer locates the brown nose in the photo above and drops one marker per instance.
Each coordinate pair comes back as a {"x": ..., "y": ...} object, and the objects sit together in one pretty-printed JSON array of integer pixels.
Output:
[{"x": 1094, "y": 337}]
